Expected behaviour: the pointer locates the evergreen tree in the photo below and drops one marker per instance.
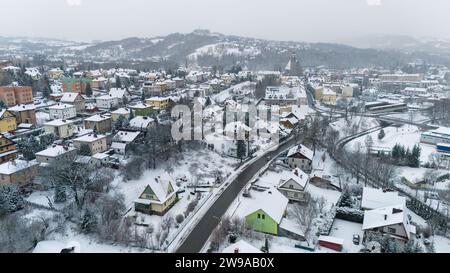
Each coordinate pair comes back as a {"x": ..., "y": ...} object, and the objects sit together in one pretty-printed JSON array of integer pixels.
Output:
[
  {"x": 240, "y": 149},
  {"x": 10, "y": 199},
  {"x": 381, "y": 134},
  {"x": 346, "y": 200},
  {"x": 118, "y": 82},
  {"x": 88, "y": 90},
  {"x": 208, "y": 101}
]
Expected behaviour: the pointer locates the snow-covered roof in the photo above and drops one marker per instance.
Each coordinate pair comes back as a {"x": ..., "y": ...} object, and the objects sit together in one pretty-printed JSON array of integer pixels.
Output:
[
  {"x": 55, "y": 151},
  {"x": 303, "y": 150},
  {"x": 271, "y": 201},
  {"x": 160, "y": 187},
  {"x": 22, "y": 107},
  {"x": 301, "y": 178},
  {"x": 140, "y": 106},
  {"x": 386, "y": 216},
  {"x": 52, "y": 246},
  {"x": 60, "y": 106},
  {"x": 141, "y": 122},
  {"x": 121, "y": 111},
  {"x": 97, "y": 118},
  {"x": 70, "y": 97},
  {"x": 89, "y": 138},
  {"x": 16, "y": 165},
  {"x": 334, "y": 240},
  {"x": 125, "y": 136},
  {"x": 241, "y": 246},
  {"x": 58, "y": 122},
  {"x": 117, "y": 92},
  {"x": 377, "y": 198}
]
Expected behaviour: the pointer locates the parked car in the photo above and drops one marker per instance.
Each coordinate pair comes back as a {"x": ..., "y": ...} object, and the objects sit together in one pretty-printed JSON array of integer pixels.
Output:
[{"x": 356, "y": 239}]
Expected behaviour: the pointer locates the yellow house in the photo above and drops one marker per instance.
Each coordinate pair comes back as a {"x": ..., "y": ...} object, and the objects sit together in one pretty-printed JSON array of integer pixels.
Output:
[
  {"x": 7, "y": 121},
  {"x": 329, "y": 96},
  {"x": 124, "y": 112},
  {"x": 158, "y": 197},
  {"x": 158, "y": 102}
]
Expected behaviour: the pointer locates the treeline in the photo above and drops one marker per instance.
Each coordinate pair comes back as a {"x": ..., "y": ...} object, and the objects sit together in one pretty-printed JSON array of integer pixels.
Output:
[{"x": 405, "y": 157}]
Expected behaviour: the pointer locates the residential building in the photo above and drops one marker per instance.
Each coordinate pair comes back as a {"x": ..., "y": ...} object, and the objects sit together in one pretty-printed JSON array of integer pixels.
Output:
[
  {"x": 62, "y": 129},
  {"x": 121, "y": 112},
  {"x": 293, "y": 185},
  {"x": 284, "y": 95},
  {"x": 62, "y": 111},
  {"x": 107, "y": 102},
  {"x": 122, "y": 139},
  {"x": 75, "y": 99},
  {"x": 241, "y": 246},
  {"x": 8, "y": 121},
  {"x": 141, "y": 123},
  {"x": 300, "y": 157},
  {"x": 56, "y": 152},
  {"x": 24, "y": 113},
  {"x": 18, "y": 172},
  {"x": 158, "y": 197},
  {"x": 266, "y": 211},
  {"x": 389, "y": 221},
  {"x": 158, "y": 102},
  {"x": 77, "y": 85},
  {"x": 12, "y": 95},
  {"x": 122, "y": 94},
  {"x": 96, "y": 143},
  {"x": 98, "y": 123},
  {"x": 55, "y": 73},
  {"x": 142, "y": 109},
  {"x": 378, "y": 198},
  {"x": 8, "y": 149}
]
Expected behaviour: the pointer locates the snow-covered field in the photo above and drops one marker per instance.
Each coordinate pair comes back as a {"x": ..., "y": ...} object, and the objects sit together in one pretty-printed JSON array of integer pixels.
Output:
[
  {"x": 407, "y": 135},
  {"x": 353, "y": 126}
]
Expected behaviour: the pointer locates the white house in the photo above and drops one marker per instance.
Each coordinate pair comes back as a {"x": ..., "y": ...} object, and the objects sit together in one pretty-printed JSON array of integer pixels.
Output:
[
  {"x": 122, "y": 139},
  {"x": 107, "y": 101},
  {"x": 300, "y": 157},
  {"x": 141, "y": 123},
  {"x": 293, "y": 185},
  {"x": 55, "y": 152},
  {"x": 121, "y": 94},
  {"x": 62, "y": 111},
  {"x": 392, "y": 221},
  {"x": 241, "y": 246}
]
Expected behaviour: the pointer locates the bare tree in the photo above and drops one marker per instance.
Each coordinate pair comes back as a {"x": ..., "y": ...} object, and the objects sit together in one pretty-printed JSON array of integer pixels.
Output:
[{"x": 305, "y": 215}]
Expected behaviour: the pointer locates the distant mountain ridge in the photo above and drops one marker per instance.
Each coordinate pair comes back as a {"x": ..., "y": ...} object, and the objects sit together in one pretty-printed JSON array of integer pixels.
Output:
[{"x": 207, "y": 48}]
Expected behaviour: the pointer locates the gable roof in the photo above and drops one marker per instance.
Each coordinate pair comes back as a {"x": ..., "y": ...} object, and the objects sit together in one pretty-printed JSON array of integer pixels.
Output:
[
  {"x": 387, "y": 216},
  {"x": 160, "y": 188},
  {"x": 242, "y": 246},
  {"x": 125, "y": 136},
  {"x": 301, "y": 149},
  {"x": 301, "y": 179},
  {"x": 376, "y": 198},
  {"x": 70, "y": 97},
  {"x": 271, "y": 201}
]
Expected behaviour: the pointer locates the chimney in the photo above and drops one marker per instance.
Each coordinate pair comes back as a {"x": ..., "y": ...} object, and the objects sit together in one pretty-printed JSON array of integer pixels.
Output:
[
  {"x": 296, "y": 172},
  {"x": 385, "y": 217},
  {"x": 236, "y": 250}
]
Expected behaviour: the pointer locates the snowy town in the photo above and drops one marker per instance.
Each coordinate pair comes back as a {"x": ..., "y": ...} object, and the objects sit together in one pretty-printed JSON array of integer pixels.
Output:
[{"x": 355, "y": 158}]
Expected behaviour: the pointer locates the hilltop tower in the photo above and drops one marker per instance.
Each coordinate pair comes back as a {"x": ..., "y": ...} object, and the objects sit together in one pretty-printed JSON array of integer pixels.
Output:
[{"x": 293, "y": 67}]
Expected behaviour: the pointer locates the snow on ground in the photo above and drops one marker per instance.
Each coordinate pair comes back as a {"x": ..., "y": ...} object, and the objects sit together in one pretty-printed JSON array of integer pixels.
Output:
[
  {"x": 355, "y": 125},
  {"x": 199, "y": 164},
  {"x": 227, "y": 93},
  {"x": 223, "y": 49},
  {"x": 441, "y": 244},
  {"x": 407, "y": 135},
  {"x": 345, "y": 230},
  {"x": 415, "y": 116}
]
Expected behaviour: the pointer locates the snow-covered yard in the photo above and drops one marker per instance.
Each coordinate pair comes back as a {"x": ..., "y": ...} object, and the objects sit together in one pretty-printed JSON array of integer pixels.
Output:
[{"x": 345, "y": 230}]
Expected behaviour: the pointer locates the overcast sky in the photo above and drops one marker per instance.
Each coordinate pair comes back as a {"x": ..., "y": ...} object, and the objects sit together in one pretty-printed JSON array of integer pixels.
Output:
[{"x": 299, "y": 20}]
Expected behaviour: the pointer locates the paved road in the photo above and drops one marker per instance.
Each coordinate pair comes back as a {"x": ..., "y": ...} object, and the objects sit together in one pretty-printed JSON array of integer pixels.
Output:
[{"x": 200, "y": 234}]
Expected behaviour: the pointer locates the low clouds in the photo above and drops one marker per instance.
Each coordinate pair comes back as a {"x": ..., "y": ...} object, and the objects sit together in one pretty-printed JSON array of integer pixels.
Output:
[{"x": 73, "y": 3}]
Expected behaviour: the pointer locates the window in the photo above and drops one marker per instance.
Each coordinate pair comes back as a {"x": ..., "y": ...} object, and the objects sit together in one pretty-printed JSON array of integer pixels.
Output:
[
  {"x": 391, "y": 230},
  {"x": 263, "y": 216},
  {"x": 259, "y": 216},
  {"x": 291, "y": 186}
]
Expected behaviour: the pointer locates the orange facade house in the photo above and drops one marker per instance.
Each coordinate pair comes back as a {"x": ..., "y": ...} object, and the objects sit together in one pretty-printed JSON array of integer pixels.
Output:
[{"x": 12, "y": 95}]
